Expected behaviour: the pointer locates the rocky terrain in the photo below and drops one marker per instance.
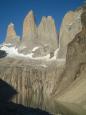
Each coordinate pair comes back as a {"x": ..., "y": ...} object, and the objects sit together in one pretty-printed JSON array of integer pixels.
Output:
[{"x": 48, "y": 73}]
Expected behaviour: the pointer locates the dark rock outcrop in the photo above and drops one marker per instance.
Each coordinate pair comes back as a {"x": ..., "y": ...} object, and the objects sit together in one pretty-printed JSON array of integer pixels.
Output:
[
  {"x": 2, "y": 54},
  {"x": 17, "y": 109}
]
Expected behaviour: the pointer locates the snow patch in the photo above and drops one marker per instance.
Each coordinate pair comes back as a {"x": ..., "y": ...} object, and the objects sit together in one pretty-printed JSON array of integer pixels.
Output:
[
  {"x": 13, "y": 52},
  {"x": 70, "y": 24},
  {"x": 35, "y": 48},
  {"x": 47, "y": 57},
  {"x": 11, "y": 24},
  {"x": 44, "y": 66},
  {"x": 42, "y": 58}
]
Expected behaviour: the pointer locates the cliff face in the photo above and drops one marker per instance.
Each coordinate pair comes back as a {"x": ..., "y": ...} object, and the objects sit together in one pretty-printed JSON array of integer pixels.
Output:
[
  {"x": 47, "y": 33},
  {"x": 71, "y": 25},
  {"x": 43, "y": 36},
  {"x": 34, "y": 81},
  {"x": 11, "y": 37},
  {"x": 29, "y": 36},
  {"x": 72, "y": 86}
]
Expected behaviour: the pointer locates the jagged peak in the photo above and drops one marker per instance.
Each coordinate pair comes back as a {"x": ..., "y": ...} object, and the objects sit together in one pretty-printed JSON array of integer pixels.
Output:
[
  {"x": 11, "y": 30},
  {"x": 51, "y": 20},
  {"x": 30, "y": 14},
  {"x": 43, "y": 21},
  {"x": 49, "y": 17},
  {"x": 11, "y": 36},
  {"x": 44, "y": 18},
  {"x": 11, "y": 24}
]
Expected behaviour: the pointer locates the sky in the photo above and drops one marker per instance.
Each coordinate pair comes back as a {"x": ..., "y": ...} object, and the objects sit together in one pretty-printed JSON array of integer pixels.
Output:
[{"x": 15, "y": 11}]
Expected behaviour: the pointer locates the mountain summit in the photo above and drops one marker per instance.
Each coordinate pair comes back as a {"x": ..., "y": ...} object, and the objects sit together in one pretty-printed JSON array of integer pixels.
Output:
[
  {"x": 11, "y": 36},
  {"x": 29, "y": 31},
  {"x": 43, "y": 38}
]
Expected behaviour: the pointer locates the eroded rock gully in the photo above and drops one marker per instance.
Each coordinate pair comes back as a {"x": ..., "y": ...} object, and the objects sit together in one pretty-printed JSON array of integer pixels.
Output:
[{"x": 34, "y": 83}]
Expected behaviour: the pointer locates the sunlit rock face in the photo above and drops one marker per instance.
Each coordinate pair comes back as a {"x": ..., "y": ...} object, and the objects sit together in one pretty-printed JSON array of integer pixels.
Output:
[
  {"x": 11, "y": 37},
  {"x": 29, "y": 37},
  {"x": 47, "y": 33},
  {"x": 44, "y": 36},
  {"x": 71, "y": 25}
]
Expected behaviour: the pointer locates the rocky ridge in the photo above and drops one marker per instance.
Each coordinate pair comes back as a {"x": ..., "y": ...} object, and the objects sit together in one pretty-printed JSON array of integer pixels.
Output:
[{"x": 43, "y": 36}]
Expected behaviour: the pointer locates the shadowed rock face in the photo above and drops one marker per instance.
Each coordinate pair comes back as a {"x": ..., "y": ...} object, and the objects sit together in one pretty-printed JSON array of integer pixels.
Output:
[
  {"x": 76, "y": 59},
  {"x": 76, "y": 49},
  {"x": 8, "y": 108},
  {"x": 11, "y": 37},
  {"x": 6, "y": 91},
  {"x": 17, "y": 109},
  {"x": 74, "y": 76}
]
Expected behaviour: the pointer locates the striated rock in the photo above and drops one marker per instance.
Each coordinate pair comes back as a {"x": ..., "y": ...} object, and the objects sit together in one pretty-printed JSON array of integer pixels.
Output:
[
  {"x": 34, "y": 81},
  {"x": 47, "y": 33},
  {"x": 72, "y": 86},
  {"x": 29, "y": 37},
  {"x": 11, "y": 36},
  {"x": 71, "y": 25}
]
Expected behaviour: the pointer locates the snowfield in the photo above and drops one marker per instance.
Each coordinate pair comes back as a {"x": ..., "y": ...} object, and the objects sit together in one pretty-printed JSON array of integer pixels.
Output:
[
  {"x": 12, "y": 51},
  {"x": 34, "y": 49}
]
